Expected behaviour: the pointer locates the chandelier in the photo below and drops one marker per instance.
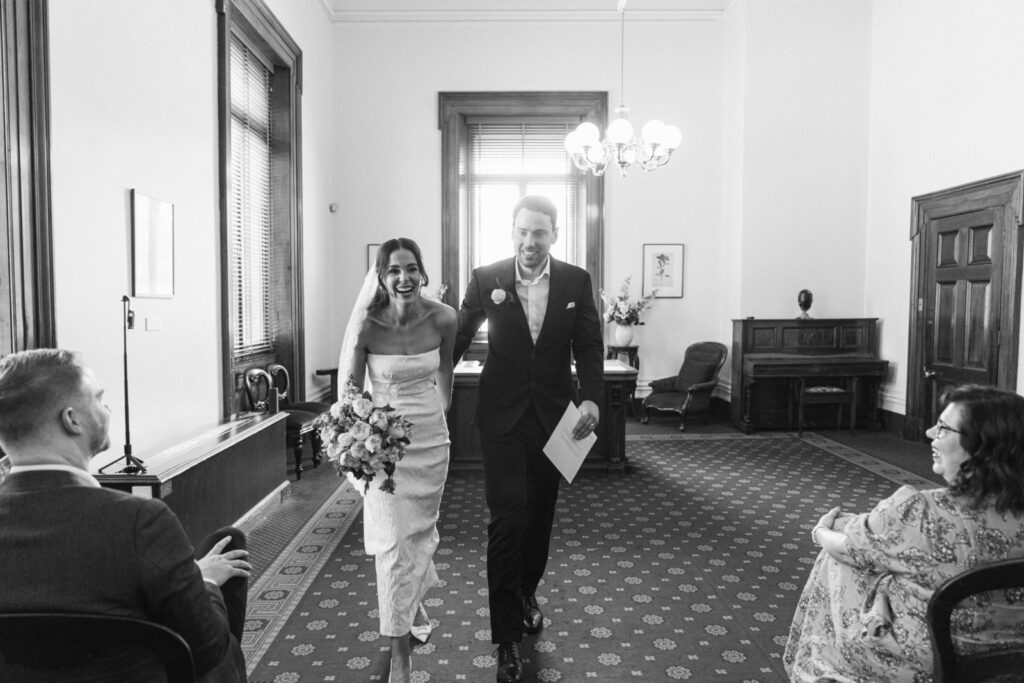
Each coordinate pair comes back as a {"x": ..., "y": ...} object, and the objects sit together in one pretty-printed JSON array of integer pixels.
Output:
[{"x": 653, "y": 149}]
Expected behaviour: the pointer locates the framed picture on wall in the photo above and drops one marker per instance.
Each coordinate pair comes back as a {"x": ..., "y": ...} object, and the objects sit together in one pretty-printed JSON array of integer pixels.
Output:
[
  {"x": 663, "y": 270},
  {"x": 152, "y": 247},
  {"x": 371, "y": 255}
]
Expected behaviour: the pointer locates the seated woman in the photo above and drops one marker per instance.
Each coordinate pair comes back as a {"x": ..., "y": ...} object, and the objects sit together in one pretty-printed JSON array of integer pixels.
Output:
[{"x": 861, "y": 614}]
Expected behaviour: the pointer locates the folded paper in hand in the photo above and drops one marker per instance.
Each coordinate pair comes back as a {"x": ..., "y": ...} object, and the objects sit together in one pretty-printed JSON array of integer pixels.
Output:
[{"x": 565, "y": 452}]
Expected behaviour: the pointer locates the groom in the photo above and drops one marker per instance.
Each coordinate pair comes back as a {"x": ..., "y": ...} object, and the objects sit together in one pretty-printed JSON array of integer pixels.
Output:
[{"x": 540, "y": 318}]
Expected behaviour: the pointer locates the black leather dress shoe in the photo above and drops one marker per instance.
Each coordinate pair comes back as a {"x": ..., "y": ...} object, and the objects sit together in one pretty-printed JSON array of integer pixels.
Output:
[
  {"x": 510, "y": 664},
  {"x": 533, "y": 618}
]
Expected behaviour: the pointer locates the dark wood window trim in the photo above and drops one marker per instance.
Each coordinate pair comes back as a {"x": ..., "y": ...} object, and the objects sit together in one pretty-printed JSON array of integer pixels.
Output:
[
  {"x": 454, "y": 108},
  {"x": 1004, "y": 194},
  {"x": 252, "y": 20},
  {"x": 27, "y": 318}
]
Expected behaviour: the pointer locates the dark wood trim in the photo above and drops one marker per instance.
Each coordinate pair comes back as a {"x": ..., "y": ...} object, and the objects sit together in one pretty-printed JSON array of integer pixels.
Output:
[
  {"x": 27, "y": 314},
  {"x": 254, "y": 20},
  {"x": 453, "y": 110},
  {"x": 1004, "y": 194}
]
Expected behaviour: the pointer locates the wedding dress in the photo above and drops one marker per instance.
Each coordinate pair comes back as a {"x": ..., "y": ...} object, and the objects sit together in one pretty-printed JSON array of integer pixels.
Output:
[{"x": 400, "y": 529}]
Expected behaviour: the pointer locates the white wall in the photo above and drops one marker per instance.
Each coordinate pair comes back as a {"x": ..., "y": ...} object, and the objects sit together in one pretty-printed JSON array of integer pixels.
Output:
[
  {"x": 134, "y": 105},
  {"x": 808, "y": 126},
  {"x": 389, "y": 75},
  {"x": 804, "y": 157},
  {"x": 946, "y": 109}
]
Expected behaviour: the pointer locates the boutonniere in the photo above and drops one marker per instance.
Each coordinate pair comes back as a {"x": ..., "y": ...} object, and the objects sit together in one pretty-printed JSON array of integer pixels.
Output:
[{"x": 500, "y": 295}]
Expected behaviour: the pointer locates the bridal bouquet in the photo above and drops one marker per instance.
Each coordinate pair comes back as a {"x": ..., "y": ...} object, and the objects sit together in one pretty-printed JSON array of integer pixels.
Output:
[
  {"x": 363, "y": 438},
  {"x": 621, "y": 310}
]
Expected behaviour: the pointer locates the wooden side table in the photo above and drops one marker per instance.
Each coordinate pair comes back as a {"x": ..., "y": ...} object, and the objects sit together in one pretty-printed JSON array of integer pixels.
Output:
[{"x": 632, "y": 358}]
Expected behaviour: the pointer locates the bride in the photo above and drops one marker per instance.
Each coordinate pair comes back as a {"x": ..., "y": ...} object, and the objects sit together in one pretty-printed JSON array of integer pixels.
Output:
[{"x": 404, "y": 341}]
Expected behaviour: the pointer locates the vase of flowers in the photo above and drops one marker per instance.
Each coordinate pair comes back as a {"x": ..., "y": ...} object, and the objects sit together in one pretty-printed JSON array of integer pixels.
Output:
[
  {"x": 364, "y": 437},
  {"x": 623, "y": 335},
  {"x": 625, "y": 314}
]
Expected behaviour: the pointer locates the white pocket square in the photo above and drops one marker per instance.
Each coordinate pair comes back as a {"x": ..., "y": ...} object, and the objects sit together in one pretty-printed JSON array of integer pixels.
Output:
[{"x": 571, "y": 304}]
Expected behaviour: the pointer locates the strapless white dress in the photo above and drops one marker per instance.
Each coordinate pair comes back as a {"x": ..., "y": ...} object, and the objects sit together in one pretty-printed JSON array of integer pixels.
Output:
[{"x": 400, "y": 529}]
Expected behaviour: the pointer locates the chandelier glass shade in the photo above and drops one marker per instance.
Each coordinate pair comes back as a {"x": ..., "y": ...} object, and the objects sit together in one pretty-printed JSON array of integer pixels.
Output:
[{"x": 620, "y": 147}]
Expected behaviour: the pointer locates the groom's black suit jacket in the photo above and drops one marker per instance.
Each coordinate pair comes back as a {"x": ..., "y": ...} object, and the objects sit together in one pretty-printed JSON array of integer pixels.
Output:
[{"x": 517, "y": 371}]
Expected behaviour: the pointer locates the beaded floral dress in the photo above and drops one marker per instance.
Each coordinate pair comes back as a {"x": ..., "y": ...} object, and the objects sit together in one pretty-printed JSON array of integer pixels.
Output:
[{"x": 866, "y": 621}]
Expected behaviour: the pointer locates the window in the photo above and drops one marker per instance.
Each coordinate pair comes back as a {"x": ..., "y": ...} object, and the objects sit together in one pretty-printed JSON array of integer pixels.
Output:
[
  {"x": 261, "y": 235},
  {"x": 498, "y": 147}
]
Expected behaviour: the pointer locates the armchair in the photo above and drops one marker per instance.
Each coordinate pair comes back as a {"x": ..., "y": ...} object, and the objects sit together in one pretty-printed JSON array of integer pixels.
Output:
[{"x": 690, "y": 390}]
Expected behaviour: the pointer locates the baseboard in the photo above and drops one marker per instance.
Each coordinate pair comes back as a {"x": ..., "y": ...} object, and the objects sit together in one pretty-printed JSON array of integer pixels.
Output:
[{"x": 271, "y": 502}]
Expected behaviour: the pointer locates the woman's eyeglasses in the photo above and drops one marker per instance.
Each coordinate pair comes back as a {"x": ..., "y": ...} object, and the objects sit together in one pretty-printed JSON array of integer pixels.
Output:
[{"x": 941, "y": 428}]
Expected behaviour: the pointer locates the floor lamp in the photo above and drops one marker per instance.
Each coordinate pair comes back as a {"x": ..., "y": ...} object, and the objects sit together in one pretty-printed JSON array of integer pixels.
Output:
[{"x": 133, "y": 465}]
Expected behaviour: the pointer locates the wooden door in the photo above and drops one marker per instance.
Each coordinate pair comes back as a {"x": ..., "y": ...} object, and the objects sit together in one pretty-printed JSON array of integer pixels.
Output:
[
  {"x": 965, "y": 297},
  {"x": 962, "y": 324}
]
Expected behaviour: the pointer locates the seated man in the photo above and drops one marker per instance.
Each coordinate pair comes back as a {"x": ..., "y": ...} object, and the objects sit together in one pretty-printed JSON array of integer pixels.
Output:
[{"x": 67, "y": 545}]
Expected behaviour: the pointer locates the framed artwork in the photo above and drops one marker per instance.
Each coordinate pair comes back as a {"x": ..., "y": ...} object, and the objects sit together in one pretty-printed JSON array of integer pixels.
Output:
[
  {"x": 152, "y": 247},
  {"x": 663, "y": 270},
  {"x": 371, "y": 255}
]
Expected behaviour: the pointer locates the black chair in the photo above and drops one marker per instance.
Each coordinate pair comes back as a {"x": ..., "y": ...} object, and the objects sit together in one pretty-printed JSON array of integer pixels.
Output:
[
  {"x": 263, "y": 396},
  {"x": 992, "y": 665},
  {"x": 299, "y": 422},
  {"x": 689, "y": 391},
  {"x": 51, "y": 646}
]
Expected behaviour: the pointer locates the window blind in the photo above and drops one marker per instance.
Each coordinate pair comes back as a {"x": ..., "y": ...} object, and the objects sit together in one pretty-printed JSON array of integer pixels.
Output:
[
  {"x": 249, "y": 205},
  {"x": 511, "y": 157}
]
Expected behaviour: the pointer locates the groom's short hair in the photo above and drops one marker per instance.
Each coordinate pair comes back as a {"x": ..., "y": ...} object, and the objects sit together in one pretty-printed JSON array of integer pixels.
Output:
[{"x": 538, "y": 203}]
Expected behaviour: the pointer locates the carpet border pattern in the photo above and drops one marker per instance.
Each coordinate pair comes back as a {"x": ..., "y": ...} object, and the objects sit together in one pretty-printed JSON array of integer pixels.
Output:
[
  {"x": 871, "y": 464},
  {"x": 294, "y": 570}
]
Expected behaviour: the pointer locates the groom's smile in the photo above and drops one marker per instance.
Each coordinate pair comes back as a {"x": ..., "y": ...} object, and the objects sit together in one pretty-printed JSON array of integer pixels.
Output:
[{"x": 532, "y": 236}]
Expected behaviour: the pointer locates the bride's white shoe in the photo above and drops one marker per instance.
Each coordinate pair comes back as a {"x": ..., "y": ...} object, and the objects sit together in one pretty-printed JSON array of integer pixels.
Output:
[{"x": 421, "y": 632}]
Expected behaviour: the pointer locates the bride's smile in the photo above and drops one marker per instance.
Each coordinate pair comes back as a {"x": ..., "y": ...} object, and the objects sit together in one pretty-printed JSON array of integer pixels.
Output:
[{"x": 403, "y": 277}]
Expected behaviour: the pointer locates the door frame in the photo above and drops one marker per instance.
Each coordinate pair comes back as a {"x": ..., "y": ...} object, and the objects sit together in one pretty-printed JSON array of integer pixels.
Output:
[
  {"x": 26, "y": 237},
  {"x": 1003, "y": 194}
]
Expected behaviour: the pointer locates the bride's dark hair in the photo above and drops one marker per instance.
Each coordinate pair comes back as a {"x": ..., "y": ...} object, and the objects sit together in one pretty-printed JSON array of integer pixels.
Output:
[{"x": 380, "y": 297}]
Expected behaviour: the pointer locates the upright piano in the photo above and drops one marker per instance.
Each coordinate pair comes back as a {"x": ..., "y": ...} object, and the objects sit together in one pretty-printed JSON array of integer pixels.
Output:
[{"x": 771, "y": 356}]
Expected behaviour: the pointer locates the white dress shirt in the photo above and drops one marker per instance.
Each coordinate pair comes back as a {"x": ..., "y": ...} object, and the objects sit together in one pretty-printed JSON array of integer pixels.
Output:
[
  {"x": 533, "y": 295},
  {"x": 83, "y": 477}
]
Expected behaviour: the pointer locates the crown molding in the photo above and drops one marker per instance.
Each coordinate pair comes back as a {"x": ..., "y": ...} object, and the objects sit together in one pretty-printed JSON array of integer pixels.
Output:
[{"x": 356, "y": 16}]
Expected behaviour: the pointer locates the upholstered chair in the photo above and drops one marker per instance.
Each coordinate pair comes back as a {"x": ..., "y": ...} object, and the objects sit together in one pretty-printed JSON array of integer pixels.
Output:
[{"x": 689, "y": 391}]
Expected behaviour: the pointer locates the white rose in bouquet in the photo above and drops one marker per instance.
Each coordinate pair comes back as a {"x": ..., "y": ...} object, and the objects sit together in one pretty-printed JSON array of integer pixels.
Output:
[
  {"x": 360, "y": 430},
  {"x": 362, "y": 407}
]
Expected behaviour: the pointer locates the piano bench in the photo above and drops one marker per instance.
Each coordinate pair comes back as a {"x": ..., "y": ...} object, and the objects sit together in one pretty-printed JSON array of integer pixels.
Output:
[{"x": 827, "y": 395}]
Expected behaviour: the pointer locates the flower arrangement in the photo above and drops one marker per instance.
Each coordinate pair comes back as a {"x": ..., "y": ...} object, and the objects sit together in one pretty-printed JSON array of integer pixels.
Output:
[
  {"x": 363, "y": 438},
  {"x": 621, "y": 310}
]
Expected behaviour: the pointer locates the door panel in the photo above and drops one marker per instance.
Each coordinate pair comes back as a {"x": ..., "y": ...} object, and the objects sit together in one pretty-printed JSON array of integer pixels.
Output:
[
  {"x": 960, "y": 316},
  {"x": 965, "y": 301}
]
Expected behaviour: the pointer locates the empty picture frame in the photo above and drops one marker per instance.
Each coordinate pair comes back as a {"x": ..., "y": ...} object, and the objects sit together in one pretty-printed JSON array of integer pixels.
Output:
[
  {"x": 371, "y": 255},
  {"x": 663, "y": 270},
  {"x": 152, "y": 247}
]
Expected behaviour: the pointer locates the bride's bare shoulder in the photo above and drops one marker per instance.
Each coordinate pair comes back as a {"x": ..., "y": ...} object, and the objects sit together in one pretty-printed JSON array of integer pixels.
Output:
[{"x": 441, "y": 312}]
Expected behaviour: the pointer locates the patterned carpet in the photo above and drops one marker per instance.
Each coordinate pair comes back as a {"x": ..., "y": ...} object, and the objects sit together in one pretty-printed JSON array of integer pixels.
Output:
[{"x": 688, "y": 568}]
